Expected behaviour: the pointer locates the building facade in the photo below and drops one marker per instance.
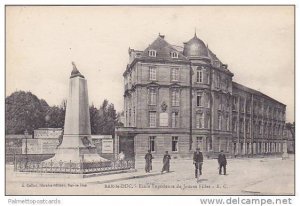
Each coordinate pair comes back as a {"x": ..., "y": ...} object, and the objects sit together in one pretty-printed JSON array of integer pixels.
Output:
[{"x": 179, "y": 99}]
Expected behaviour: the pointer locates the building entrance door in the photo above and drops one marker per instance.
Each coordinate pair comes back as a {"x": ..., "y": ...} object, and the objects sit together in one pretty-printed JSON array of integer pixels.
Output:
[{"x": 126, "y": 144}]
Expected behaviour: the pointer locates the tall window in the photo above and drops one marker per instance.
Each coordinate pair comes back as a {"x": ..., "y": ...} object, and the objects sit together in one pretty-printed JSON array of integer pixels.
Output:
[
  {"x": 199, "y": 143},
  {"x": 152, "y": 96},
  {"x": 129, "y": 122},
  {"x": 241, "y": 126},
  {"x": 207, "y": 120},
  {"x": 254, "y": 108},
  {"x": 199, "y": 120},
  {"x": 174, "y": 144},
  {"x": 199, "y": 99},
  {"x": 208, "y": 78},
  {"x": 199, "y": 76},
  {"x": 234, "y": 125},
  {"x": 175, "y": 97},
  {"x": 242, "y": 106},
  {"x": 208, "y": 143},
  {"x": 130, "y": 79},
  {"x": 260, "y": 108},
  {"x": 220, "y": 104},
  {"x": 265, "y": 129},
  {"x": 207, "y": 99},
  {"x": 248, "y": 126},
  {"x": 225, "y": 83},
  {"x": 152, "y": 143},
  {"x": 247, "y": 148},
  {"x": 175, "y": 74},
  {"x": 152, "y": 53},
  {"x": 217, "y": 81},
  {"x": 152, "y": 119},
  {"x": 174, "y": 119},
  {"x": 219, "y": 121},
  {"x": 152, "y": 73},
  {"x": 227, "y": 145},
  {"x": 248, "y": 106},
  {"x": 227, "y": 123}
]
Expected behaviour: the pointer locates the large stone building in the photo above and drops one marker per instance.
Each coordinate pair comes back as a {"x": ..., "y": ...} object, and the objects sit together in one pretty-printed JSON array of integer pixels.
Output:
[{"x": 179, "y": 99}]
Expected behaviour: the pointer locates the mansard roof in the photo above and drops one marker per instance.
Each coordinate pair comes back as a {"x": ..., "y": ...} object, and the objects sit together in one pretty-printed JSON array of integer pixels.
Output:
[
  {"x": 238, "y": 86},
  {"x": 163, "y": 51}
]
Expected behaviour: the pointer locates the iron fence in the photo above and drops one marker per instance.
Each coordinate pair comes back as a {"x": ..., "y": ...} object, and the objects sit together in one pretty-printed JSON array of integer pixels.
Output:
[{"x": 72, "y": 167}]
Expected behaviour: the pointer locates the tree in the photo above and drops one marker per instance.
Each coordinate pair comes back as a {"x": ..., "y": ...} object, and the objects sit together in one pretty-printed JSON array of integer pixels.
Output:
[
  {"x": 108, "y": 118},
  {"x": 24, "y": 111},
  {"x": 94, "y": 119},
  {"x": 119, "y": 121},
  {"x": 55, "y": 117}
]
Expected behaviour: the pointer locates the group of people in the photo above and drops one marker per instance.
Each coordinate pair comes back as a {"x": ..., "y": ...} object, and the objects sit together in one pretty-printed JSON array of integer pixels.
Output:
[
  {"x": 197, "y": 161},
  {"x": 166, "y": 162}
]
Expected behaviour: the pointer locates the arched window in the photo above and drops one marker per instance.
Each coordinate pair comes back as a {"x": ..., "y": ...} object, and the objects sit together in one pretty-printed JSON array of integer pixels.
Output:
[
  {"x": 152, "y": 53},
  {"x": 174, "y": 55}
]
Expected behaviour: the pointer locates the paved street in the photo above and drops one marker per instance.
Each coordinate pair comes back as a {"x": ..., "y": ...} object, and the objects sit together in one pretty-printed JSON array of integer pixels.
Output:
[{"x": 257, "y": 176}]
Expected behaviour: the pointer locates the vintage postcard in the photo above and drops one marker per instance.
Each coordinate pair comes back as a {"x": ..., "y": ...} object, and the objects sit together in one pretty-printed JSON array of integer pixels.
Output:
[{"x": 149, "y": 100}]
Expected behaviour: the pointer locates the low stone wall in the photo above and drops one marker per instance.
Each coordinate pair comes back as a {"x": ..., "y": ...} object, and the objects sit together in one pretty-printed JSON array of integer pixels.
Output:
[{"x": 11, "y": 158}]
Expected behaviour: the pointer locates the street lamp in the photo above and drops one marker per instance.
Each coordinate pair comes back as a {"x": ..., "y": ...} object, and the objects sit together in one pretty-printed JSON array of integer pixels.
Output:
[{"x": 26, "y": 148}]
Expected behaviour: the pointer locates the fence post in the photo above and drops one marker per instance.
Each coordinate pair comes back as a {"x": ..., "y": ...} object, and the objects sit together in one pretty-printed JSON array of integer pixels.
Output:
[
  {"x": 70, "y": 165},
  {"x": 15, "y": 162},
  {"x": 60, "y": 165},
  {"x": 82, "y": 165}
]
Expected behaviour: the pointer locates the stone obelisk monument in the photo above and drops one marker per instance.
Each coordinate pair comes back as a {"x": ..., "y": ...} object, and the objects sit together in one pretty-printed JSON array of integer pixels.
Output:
[{"x": 77, "y": 145}]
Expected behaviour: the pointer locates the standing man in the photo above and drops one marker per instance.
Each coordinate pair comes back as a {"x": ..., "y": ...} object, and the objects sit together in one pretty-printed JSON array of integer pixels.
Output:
[
  {"x": 222, "y": 162},
  {"x": 148, "y": 158},
  {"x": 198, "y": 161},
  {"x": 166, "y": 162}
]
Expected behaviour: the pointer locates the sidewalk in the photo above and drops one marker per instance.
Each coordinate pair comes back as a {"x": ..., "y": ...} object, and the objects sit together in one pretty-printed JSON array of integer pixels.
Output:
[
  {"x": 90, "y": 178},
  {"x": 260, "y": 176}
]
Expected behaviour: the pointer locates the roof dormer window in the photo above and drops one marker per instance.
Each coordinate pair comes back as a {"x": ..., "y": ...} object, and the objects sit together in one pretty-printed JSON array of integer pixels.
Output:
[
  {"x": 174, "y": 55},
  {"x": 152, "y": 53}
]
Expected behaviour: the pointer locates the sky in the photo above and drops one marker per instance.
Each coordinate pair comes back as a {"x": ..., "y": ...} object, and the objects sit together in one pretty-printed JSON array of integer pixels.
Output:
[{"x": 257, "y": 43}]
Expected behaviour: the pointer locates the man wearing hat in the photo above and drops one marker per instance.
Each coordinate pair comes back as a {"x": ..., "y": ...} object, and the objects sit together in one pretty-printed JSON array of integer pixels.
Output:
[
  {"x": 222, "y": 162},
  {"x": 198, "y": 161},
  {"x": 148, "y": 158},
  {"x": 166, "y": 163}
]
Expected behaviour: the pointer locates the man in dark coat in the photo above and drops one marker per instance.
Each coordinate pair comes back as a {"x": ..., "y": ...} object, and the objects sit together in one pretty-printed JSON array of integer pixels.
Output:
[
  {"x": 198, "y": 161},
  {"x": 166, "y": 162},
  {"x": 222, "y": 162},
  {"x": 148, "y": 158}
]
